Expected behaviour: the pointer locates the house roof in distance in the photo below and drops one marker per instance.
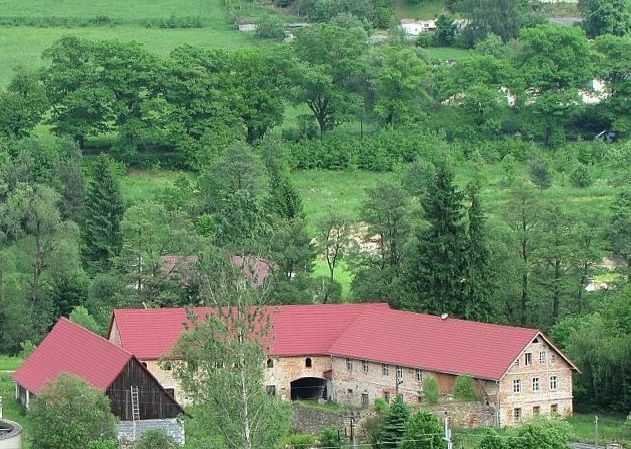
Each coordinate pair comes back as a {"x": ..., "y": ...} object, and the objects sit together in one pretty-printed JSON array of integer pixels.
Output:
[
  {"x": 371, "y": 331},
  {"x": 72, "y": 349}
]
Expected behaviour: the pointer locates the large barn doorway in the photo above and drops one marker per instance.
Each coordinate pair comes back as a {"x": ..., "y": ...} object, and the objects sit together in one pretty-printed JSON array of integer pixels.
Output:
[{"x": 308, "y": 388}]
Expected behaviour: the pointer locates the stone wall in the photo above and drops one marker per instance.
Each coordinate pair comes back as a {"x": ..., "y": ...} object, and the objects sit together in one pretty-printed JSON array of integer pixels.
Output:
[
  {"x": 285, "y": 370},
  {"x": 172, "y": 427},
  {"x": 465, "y": 415},
  {"x": 544, "y": 364},
  {"x": 312, "y": 419},
  {"x": 362, "y": 382}
]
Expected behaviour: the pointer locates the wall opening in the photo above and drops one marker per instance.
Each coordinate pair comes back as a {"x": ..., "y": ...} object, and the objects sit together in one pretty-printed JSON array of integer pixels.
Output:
[{"x": 308, "y": 388}]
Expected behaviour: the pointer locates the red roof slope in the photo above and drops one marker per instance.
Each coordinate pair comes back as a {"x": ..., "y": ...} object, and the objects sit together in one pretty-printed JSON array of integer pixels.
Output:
[
  {"x": 361, "y": 331},
  {"x": 71, "y": 349},
  {"x": 482, "y": 350}
]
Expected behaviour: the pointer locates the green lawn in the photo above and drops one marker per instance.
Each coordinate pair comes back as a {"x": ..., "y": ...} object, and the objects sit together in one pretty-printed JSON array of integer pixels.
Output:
[
  {"x": 610, "y": 429},
  {"x": 423, "y": 9},
  {"x": 24, "y": 45},
  {"x": 10, "y": 408},
  {"x": 447, "y": 53}
]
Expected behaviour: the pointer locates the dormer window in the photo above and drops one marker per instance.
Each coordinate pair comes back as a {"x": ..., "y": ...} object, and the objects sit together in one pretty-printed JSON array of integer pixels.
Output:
[{"x": 308, "y": 362}]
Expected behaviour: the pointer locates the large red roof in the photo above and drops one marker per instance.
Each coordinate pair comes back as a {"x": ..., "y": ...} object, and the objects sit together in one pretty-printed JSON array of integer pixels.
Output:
[
  {"x": 71, "y": 349},
  {"x": 360, "y": 331}
]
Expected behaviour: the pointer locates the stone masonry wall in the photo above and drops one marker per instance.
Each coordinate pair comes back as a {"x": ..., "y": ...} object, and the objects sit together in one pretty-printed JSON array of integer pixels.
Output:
[
  {"x": 172, "y": 427},
  {"x": 287, "y": 369},
  {"x": 544, "y": 364},
  {"x": 366, "y": 381}
]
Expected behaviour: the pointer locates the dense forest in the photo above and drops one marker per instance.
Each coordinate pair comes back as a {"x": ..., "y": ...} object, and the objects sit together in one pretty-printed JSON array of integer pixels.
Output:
[{"x": 521, "y": 104}]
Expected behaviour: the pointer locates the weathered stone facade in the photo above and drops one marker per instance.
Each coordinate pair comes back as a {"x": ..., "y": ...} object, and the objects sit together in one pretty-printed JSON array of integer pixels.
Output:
[
  {"x": 127, "y": 434},
  {"x": 536, "y": 384}
]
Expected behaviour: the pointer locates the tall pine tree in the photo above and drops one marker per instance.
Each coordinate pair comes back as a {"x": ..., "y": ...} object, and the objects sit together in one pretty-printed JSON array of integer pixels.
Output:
[
  {"x": 478, "y": 283},
  {"x": 104, "y": 209},
  {"x": 437, "y": 269}
]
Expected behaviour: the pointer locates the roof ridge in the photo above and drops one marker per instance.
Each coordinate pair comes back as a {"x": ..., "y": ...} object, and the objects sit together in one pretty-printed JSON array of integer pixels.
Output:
[{"x": 93, "y": 334}]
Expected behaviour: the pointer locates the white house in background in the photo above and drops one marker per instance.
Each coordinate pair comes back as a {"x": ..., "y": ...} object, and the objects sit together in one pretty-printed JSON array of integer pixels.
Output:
[{"x": 415, "y": 28}]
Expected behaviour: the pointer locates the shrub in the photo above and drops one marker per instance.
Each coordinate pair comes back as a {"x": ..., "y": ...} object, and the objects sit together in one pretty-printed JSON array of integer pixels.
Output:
[
  {"x": 299, "y": 441},
  {"x": 155, "y": 439},
  {"x": 423, "y": 431},
  {"x": 581, "y": 176},
  {"x": 431, "y": 390},
  {"x": 270, "y": 27},
  {"x": 464, "y": 389},
  {"x": 330, "y": 438},
  {"x": 69, "y": 414},
  {"x": 82, "y": 317},
  {"x": 540, "y": 173}
]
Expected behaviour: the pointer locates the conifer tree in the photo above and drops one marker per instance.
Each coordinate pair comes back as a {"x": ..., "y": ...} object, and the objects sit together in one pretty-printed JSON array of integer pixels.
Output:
[
  {"x": 283, "y": 201},
  {"x": 478, "y": 283},
  {"x": 104, "y": 209},
  {"x": 394, "y": 425},
  {"x": 436, "y": 272}
]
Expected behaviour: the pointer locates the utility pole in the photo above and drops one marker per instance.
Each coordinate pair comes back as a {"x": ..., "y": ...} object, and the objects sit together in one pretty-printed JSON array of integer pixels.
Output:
[
  {"x": 447, "y": 437},
  {"x": 0, "y": 407},
  {"x": 596, "y": 431}
]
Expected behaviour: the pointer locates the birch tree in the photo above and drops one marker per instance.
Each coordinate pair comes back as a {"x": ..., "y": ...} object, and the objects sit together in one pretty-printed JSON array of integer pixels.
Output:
[{"x": 223, "y": 360}]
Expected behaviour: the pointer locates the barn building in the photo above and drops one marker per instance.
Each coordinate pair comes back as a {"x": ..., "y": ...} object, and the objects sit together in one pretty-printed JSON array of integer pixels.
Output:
[
  {"x": 356, "y": 353},
  {"x": 138, "y": 400}
]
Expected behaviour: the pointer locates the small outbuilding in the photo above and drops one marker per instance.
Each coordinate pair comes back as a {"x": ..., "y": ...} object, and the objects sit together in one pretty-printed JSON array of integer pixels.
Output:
[{"x": 138, "y": 400}]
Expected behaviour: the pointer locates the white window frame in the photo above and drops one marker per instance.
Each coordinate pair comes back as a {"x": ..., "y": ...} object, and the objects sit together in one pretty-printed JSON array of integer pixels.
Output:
[
  {"x": 385, "y": 369},
  {"x": 554, "y": 383},
  {"x": 399, "y": 372},
  {"x": 365, "y": 366},
  {"x": 516, "y": 385},
  {"x": 528, "y": 359},
  {"x": 542, "y": 357},
  {"x": 419, "y": 375},
  {"x": 349, "y": 365},
  {"x": 535, "y": 384}
]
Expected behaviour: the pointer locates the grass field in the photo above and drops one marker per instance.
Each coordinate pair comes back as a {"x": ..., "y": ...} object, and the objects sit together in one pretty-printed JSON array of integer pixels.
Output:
[
  {"x": 423, "y": 9},
  {"x": 610, "y": 429}
]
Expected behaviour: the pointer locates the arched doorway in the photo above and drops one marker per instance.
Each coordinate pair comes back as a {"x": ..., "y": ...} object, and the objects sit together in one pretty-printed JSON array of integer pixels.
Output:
[{"x": 308, "y": 388}]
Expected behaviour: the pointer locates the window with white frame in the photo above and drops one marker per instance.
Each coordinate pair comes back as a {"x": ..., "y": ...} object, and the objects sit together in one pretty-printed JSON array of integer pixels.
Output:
[
  {"x": 554, "y": 383},
  {"x": 399, "y": 372},
  {"x": 385, "y": 369},
  {"x": 542, "y": 357},
  {"x": 365, "y": 366},
  {"x": 349, "y": 365},
  {"x": 535, "y": 384},
  {"x": 419, "y": 375},
  {"x": 517, "y": 363},
  {"x": 528, "y": 359},
  {"x": 516, "y": 386}
]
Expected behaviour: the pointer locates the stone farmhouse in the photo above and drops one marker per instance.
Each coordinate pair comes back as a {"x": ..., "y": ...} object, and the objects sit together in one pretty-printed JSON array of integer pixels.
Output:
[
  {"x": 137, "y": 398},
  {"x": 356, "y": 353}
]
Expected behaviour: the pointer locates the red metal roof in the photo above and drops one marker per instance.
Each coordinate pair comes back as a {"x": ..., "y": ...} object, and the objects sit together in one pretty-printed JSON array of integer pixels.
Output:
[
  {"x": 361, "y": 331},
  {"x": 71, "y": 349}
]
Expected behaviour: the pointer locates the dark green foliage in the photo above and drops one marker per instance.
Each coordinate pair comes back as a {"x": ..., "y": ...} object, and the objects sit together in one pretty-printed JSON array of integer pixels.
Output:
[
  {"x": 464, "y": 389},
  {"x": 82, "y": 317},
  {"x": 101, "y": 230},
  {"x": 437, "y": 267},
  {"x": 330, "y": 438},
  {"x": 501, "y": 17},
  {"x": 446, "y": 30},
  {"x": 605, "y": 17},
  {"x": 22, "y": 105},
  {"x": 68, "y": 414},
  {"x": 423, "y": 431},
  {"x": 431, "y": 389},
  {"x": 394, "y": 425},
  {"x": 540, "y": 173},
  {"x": 155, "y": 439},
  {"x": 620, "y": 228},
  {"x": 581, "y": 176},
  {"x": 479, "y": 272},
  {"x": 378, "y": 13},
  {"x": 270, "y": 27}
]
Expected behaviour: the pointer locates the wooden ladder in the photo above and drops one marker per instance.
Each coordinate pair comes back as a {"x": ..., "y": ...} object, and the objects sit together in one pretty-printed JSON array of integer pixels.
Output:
[{"x": 135, "y": 404}]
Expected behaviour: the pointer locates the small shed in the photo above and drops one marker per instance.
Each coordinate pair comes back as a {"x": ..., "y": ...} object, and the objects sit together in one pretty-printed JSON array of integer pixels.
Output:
[{"x": 137, "y": 398}]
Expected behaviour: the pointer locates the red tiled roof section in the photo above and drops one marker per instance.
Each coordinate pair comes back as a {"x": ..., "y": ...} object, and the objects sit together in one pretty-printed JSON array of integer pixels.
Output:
[
  {"x": 361, "y": 331},
  {"x": 482, "y": 350},
  {"x": 72, "y": 349}
]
